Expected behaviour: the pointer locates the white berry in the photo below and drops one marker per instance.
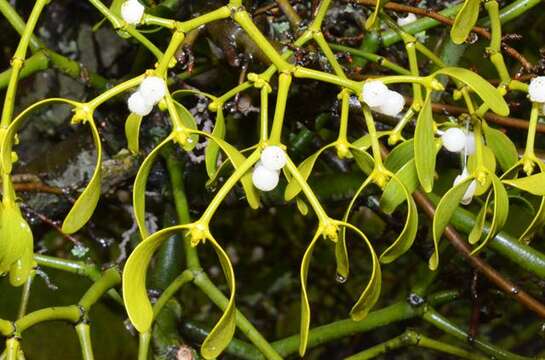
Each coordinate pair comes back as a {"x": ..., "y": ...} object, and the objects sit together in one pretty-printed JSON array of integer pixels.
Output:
[
  {"x": 470, "y": 191},
  {"x": 374, "y": 93},
  {"x": 138, "y": 105},
  {"x": 402, "y": 21},
  {"x": 132, "y": 11},
  {"x": 454, "y": 139},
  {"x": 273, "y": 158},
  {"x": 393, "y": 104},
  {"x": 470, "y": 143},
  {"x": 153, "y": 89},
  {"x": 536, "y": 89},
  {"x": 264, "y": 179}
]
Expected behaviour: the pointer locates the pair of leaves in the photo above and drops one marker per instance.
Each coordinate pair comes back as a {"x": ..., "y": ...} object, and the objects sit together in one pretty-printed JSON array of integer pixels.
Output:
[
  {"x": 363, "y": 305},
  {"x": 465, "y": 21},
  {"x": 138, "y": 305},
  {"x": 499, "y": 216},
  {"x": 16, "y": 245}
]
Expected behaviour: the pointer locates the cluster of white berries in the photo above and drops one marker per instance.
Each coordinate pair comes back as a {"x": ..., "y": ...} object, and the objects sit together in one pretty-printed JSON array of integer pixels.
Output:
[
  {"x": 267, "y": 170},
  {"x": 470, "y": 191},
  {"x": 381, "y": 99},
  {"x": 151, "y": 90},
  {"x": 456, "y": 140},
  {"x": 132, "y": 11}
]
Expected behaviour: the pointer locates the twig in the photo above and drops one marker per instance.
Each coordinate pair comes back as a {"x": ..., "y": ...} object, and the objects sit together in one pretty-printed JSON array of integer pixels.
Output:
[
  {"x": 448, "y": 21},
  {"x": 479, "y": 264}
]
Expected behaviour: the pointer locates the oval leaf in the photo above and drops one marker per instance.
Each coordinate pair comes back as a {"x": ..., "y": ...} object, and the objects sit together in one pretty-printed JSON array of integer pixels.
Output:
[
  {"x": 135, "y": 295},
  {"x": 400, "y": 155},
  {"x": 488, "y": 93},
  {"x": 305, "y": 168},
  {"x": 465, "y": 21},
  {"x": 132, "y": 132},
  {"x": 501, "y": 210},
  {"x": 86, "y": 203},
  {"x": 305, "y": 306},
  {"x": 406, "y": 238},
  {"x": 444, "y": 211},
  {"x": 189, "y": 122},
  {"x": 221, "y": 335},
  {"x": 139, "y": 188},
  {"x": 534, "y": 184},
  {"x": 424, "y": 147},
  {"x": 502, "y": 147},
  {"x": 212, "y": 149}
]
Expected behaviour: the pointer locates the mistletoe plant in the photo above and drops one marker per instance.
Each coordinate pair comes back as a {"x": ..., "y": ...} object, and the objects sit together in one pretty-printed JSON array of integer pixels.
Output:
[{"x": 490, "y": 165}]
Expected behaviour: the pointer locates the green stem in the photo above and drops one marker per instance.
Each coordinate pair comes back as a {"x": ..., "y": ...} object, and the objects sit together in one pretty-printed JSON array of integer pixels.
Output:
[
  {"x": 322, "y": 43},
  {"x": 284, "y": 82},
  {"x": 204, "y": 283},
  {"x": 143, "y": 345},
  {"x": 380, "y": 60},
  {"x": 12, "y": 348},
  {"x": 320, "y": 15},
  {"x": 75, "y": 267},
  {"x": 109, "y": 279},
  {"x": 70, "y": 313},
  {"x": 442, "y": 323},
  {"x": 408, "y": 338},
  {"x": 18, "y": 61},
  {"x": 171, "y": 290},
  {"x": 25, "y": 296},
  {"x": 264, "y": 114},
  {"x": 84, "y": 336},
  {"x": 532, "y": 127},
  {"x": 305, "y": 73},
  {"x": 175, "y": 171}
]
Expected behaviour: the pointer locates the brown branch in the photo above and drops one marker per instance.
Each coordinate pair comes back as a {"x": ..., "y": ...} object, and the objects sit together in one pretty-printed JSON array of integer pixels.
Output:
[
  {"x": 448, "y": 21},
  {"x": 479, "y": 264},
  {"x": 37, "y": 187},
  {"x": 508, "y": 122}
]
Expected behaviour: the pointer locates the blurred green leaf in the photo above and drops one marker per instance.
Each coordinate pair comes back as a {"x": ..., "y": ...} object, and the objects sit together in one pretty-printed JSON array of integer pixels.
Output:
[
  {"x": 502, "y": 147},
  {"x": 465, "y": 21},
  {"x": 534, "y": 184},
  {"x": 132, "y": 132},
  {"x": 305, "y": 306}
]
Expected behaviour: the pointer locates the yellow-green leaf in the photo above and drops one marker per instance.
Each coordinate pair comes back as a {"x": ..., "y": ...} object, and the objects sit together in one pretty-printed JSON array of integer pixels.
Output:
[
  {"x": 489, "y": 162},
  {"x": 374, "y": 16},
  {"x": 17, "y": 245},
  {"x": 393, "y": 193},
  {"x": 371, "y": 293},
  {"x": 189, "y": 122},
  {"x": 221, "y": 335},
  {"x": 399, "y": 156},
  {"x": 139, "y": 188},
  {"x": 500, "y": 212},
  {"x": 135, "y": 295},
  {"x": 406, "y": 238},
  {"x": 364, "y": 161},
  {"x": 132, "y": 131},
  {"x": 533, "y": 184},
  {"x": 305, "y": 168},
  {"x": 502, "y": 147},
  {"x": 444, "y": 211},
  {"x": 86, "y": 203},
  {"x": 212, "y": 149},
  {"x": 424, "y": 147},
  {"x": 480, "y": 220},
  {"x": 302, "y": 206},
  {"x": 465, "y": 21},
  {"x": 488, "y": 93},
  {"x": 236, "y": 157},
  {"x": 305, "y": 306},
  {"x": 364, "y": 142}
]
